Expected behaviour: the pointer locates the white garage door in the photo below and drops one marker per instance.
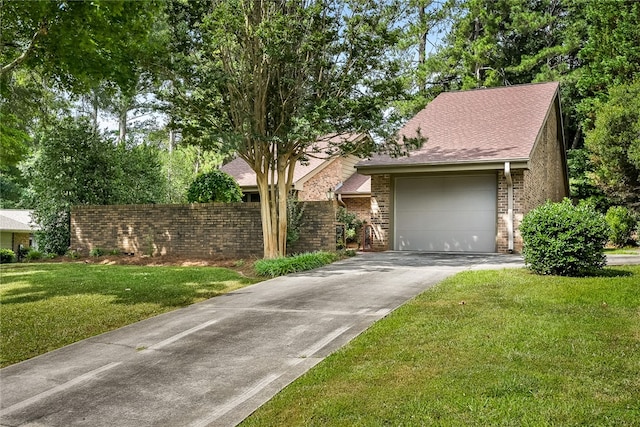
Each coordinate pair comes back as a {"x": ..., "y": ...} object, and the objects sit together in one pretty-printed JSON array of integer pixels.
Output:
[{"x": 446, "y": 213}]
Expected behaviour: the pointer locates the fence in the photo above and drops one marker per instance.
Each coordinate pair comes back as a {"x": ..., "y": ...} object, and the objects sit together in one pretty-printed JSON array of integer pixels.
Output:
[{"x": 218, "y": 230}]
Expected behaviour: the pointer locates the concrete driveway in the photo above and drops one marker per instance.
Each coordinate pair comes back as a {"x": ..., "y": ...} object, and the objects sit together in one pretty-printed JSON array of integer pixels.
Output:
[{"x": 215, "y": 362}]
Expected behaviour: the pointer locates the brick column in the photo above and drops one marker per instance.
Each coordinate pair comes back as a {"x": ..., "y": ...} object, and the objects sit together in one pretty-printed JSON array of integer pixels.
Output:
[{"x": 380, "y": 211}]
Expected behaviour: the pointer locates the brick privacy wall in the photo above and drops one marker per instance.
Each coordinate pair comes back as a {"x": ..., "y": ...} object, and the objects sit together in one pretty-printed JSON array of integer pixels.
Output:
[
  {"x": 317, "y": 186},
  {"x": 380, "y": 211},
  {"x": 317, "y": 231},
  {"x": 207, "y": 230}
]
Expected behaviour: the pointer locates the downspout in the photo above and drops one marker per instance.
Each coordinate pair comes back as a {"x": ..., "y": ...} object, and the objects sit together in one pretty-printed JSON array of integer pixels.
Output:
[
  {"x": 507, "y": 175},
  {"x": 340, "y": 202}
]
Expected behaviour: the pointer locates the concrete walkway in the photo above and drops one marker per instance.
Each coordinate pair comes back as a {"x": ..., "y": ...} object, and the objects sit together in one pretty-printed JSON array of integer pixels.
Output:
[{"x": 215, "y": 362}]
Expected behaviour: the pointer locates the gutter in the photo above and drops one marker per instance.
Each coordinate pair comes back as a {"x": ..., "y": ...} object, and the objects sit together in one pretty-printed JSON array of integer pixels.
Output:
[
  {"x": 469, "y": 166},
  {"x": 507, "y": 175}
]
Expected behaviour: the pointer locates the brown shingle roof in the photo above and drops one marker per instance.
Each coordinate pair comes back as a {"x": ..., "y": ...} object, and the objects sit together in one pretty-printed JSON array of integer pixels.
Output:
[
  {"x": 356, "y": 184},
  {"x": 246, "y": 177},
  {"x": 479, "y": 125}
]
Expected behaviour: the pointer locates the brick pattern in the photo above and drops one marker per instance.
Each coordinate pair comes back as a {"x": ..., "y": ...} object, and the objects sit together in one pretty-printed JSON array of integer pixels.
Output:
[
  {"x": 380, "y": 211},
  {"x": 545, "y": 178},
  {"x": 20, "y": 239},
  {"x": 361, "y": 206},
  {"x": 317, "y": 186},
  {"x": 502, "y": 238},
  {"x": 208, "y": 230}
]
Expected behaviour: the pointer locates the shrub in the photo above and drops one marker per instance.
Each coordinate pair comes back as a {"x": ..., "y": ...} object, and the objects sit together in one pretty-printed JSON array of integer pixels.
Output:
[
  {"x": 97, "y": 252},
  {"x": 563, "y": 239},
  {"x": 7, "y": 256},
  {"x": 34, "y": 255},
  {"x": 214, "y": 186},
  {"x": 295, "y": 213},
  {"x": 353, "y": 226},
  {"x": 281, "y": 266},
  {"x": 621, "y": 223}
]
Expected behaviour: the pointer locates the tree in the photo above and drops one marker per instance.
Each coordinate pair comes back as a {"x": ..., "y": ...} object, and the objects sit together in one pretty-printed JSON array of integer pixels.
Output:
[
  {"x": 76, "y": 43},
  {"x": 54, "y": 51},
  {"x": 614, "y": 145},
  {"x": 180, "y": 166},
  {"x": 214, "y": 186},
  {"x": 274, "y": 77},
  {"x": 75, "y": 165}
]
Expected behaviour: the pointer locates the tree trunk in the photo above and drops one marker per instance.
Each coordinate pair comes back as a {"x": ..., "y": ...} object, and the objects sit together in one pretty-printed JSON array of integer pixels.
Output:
[
  {"x": 122, "y": 125},
  {"x": 422, "y": 49}
]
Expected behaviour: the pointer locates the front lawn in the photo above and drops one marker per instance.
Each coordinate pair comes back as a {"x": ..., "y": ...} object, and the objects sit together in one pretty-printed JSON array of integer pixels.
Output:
[
  {"x": 484, "y": 348},
  {"x": 47, "y": 306}
]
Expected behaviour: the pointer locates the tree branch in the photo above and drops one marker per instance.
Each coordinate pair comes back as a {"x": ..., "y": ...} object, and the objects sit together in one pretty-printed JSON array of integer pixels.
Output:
[{"x": 20, "y": 59}]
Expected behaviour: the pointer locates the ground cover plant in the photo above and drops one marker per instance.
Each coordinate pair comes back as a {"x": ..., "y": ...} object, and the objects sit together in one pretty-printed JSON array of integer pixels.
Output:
[
  {"x": 302, "y": 262},
  {"x": 47, "y": 306},
  {"x": 484, "y": 348}
]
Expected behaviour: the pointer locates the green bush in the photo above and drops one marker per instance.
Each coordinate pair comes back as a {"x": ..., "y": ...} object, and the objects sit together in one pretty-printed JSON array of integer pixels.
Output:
[
  {"x": 214, "y": 186},
  {"x": 353, "y": 226},
  {"x": 34, "y": 255},
  {"x": 563, "y": 239},
  {"x": 295, "y": 219},
  {"x": 281, "y": 266},
  {"x": 622, "y": 224},
  {"x": 7, "y": 256},
  {"x": 97, "y": 252}
]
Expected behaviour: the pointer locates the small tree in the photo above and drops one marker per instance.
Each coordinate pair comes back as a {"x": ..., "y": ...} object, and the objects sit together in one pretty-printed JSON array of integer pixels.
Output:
[
  {"x": 214, "y": 186},
  {"x": 273, "y": 78},
  {"x": 563, "y": 239},
  {"x": 622, "y": 224}
]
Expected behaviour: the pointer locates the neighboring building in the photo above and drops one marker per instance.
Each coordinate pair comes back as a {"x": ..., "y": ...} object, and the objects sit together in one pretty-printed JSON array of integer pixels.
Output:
[
  {"x": 314, "y": 179},
  {"x": 491, "y": 155},
  {"x": 16, "y": 229}
]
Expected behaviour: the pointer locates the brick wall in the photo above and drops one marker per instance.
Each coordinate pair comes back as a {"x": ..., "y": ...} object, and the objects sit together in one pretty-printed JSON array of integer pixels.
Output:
[
  {"x": 361, "y": 206},
  {"x": 317, "y": 186},
  {"x": 205, "y": 230},
  {"x": 380, "y": 211},
  {"x": 517, "y": 177},
  {"x": 545, "y": 179}
]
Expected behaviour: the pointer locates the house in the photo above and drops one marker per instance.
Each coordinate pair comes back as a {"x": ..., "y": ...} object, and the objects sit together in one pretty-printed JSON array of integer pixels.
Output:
[
  {"x": 16, "y": 228},
  {"x": 320, "y": 178},
  {"x": 490, "y": 156}
]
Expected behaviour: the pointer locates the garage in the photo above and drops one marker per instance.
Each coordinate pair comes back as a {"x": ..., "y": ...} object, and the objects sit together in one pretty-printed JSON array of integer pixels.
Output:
[{"x": 450, "y": 213}]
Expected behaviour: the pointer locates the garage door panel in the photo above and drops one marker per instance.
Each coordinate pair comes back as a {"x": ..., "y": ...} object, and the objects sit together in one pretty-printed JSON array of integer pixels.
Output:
[
  {"x": 451, "y": 213},
  {"x": 437, "y": 241}
]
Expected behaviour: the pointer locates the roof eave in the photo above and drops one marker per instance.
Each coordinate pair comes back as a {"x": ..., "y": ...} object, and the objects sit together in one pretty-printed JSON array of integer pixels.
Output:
[{"x": 518, "y": 163}]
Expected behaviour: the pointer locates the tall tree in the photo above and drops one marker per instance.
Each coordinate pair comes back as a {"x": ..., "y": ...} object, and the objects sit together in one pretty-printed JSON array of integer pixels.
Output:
[
  {"x": 614, "y": 145},
  {"x": 75, "y": 165},
  {"x": 281, "y": 74},
  {"x": 611, "y": 54}
]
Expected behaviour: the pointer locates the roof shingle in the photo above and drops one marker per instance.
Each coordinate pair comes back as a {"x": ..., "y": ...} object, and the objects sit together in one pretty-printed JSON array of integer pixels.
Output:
[{"x": 478, "y": 125}]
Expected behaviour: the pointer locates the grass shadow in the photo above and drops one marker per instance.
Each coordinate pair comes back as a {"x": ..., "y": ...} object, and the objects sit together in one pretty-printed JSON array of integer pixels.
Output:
[{"x": 130, "y": 285}]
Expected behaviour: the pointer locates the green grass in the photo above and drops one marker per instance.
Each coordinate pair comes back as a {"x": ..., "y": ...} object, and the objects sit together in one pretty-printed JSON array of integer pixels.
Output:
[
  {"x": 505, "y": 348},
  {"x": 629, "y": 250},
  {"x": 47, "y": 306}
]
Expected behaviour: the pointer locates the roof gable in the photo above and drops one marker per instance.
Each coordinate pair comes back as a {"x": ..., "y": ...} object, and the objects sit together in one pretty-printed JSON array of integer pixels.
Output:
[
  {"x": 317, "y": 161},
  {"x": 482, "y": 125},
  {"x": 16, "y": 220}
]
